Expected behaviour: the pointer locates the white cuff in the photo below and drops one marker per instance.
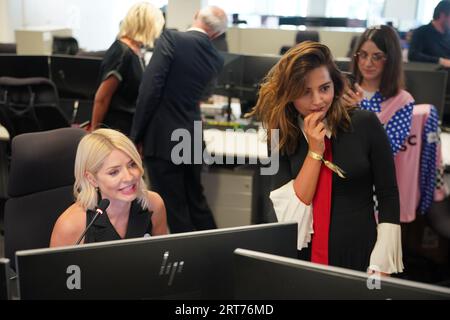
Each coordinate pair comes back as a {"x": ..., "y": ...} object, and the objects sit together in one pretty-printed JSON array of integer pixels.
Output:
[
  {"x": 288, "y": 208},
  {"x": 387, "y": 256}
]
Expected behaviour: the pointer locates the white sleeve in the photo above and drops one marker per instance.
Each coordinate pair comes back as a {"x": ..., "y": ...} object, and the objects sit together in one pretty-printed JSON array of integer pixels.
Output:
[
  {"x": 288, "y": 208},
  {"x": 387, "y": 256}
]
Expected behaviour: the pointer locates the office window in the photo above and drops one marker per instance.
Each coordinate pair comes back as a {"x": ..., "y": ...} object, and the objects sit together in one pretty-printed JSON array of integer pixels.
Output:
[
  {"x": 124, "y": 5},
  {"x": 355, "y": 9},
  {"x": 263, "y": 7},
  {"x": 425, "y": 11}
]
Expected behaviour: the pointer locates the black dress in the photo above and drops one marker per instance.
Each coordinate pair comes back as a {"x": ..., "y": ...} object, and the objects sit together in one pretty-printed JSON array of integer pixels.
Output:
[
  {"x": 139, "y": 225},
  {"x": 120, "y": 61},
  {"x": 365, "y": 155}
]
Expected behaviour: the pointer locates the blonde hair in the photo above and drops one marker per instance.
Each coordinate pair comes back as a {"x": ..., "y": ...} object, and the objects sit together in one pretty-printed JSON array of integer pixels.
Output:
[
  {"x": 143, "y": 23},
  {"x": 286, "y": 82},
  {"x": 92, "y": 151}
]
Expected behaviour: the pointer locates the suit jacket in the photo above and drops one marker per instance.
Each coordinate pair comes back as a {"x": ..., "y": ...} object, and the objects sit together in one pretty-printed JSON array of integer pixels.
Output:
[{"x": 182, "y": 66}]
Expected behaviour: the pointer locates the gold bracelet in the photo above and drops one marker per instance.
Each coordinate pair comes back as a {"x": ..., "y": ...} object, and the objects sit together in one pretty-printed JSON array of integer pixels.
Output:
[
  {"x": 330, "y": 165},
  {"x": 315, "y": 156}
]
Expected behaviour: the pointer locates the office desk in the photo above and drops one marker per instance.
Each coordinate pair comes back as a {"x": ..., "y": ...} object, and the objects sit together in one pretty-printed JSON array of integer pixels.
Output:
[
  {"x": 250, "y": 145},
  {"x": 236, "y": 191}
]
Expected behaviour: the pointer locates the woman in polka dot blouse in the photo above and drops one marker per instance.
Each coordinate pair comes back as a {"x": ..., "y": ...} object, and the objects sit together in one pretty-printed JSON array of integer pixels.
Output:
[{"x": 378, "y": 69}]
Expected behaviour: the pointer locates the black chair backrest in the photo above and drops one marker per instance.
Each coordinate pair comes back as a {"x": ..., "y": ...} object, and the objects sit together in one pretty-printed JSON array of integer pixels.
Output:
[
  {"x": 30, "y": 105},
  {"x": 91, "y": 54},
  {"x": 307, "y": 35},
  {"x": 352, "y": 47},
  {"x": 299, "y": 38},
  {"x": 8, "y": 48},
  {"x": 284, "y": 49},
  {"x": 65, "y": 45},
  {"x": 40, "y": 187},
  {"x": 439, "y": 217}
]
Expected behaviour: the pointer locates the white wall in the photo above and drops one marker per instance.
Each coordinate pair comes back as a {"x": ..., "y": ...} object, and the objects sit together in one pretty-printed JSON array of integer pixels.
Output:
[
  {"x": 4, "y": 21},
  {"x": 426, "y": 10},
  {"x": 180, "y": 13},
  {"x": 401, "y": 12},
  {"x": 317, "y": 8},
  {"x": 95, "y": 23},
  {"x": 269, "y": 41},
  {"x": 10, "y": 19}
]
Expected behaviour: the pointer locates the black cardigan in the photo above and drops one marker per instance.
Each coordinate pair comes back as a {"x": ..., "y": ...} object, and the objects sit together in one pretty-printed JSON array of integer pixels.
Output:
[{"x": 365, "y": 156}]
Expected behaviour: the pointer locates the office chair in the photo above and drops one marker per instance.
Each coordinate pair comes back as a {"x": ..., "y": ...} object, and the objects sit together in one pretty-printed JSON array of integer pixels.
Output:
[
  {"x": 10, "y": 48},
  {"x": 40, "y": 187},
  {"x": 439, "y": 217},
  {"x": 352, "y": 47},
  {"x": 30, "y": 105},
  {"x": 65, "y": 45},
  {"x": 284, "y": 49},
  {"x": 300, "y": 37},
  {"x": 307, "y": 35}
]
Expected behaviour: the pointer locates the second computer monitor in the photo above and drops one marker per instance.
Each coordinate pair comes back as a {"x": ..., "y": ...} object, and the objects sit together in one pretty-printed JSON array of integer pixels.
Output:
[
  {"x": 229, "y": 80},
  {"x": 292, "y": 279},
  {"x": 427, "y": 87},
  {"x": 197, "y": 265},
  {"x": 15, "y": 66},
  {"x": 256, "y": 69},
  {"x": 75, "y": 77}
]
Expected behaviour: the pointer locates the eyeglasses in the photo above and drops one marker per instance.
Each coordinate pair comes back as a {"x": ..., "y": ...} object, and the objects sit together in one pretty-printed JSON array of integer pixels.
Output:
[{"x": 374, "y": 58}]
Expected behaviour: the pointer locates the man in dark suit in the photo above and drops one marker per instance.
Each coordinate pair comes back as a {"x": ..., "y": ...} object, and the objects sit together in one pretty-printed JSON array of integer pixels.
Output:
[{"x": 182, "y": 66}]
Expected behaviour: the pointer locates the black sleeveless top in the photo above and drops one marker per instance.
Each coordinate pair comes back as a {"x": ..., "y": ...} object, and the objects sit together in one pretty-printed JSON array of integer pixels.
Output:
[{"x": 139, "y": 225}]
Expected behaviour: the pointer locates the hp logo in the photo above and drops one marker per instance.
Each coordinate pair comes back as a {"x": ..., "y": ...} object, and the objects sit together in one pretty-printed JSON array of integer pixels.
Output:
[{"x": 169, "y": 268}]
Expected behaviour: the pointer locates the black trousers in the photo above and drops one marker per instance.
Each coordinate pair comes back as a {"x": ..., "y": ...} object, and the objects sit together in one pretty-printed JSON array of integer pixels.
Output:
[{"x": 182, "y": 192}]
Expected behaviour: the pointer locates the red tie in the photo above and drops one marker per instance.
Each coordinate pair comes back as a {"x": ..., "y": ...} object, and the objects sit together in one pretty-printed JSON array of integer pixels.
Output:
[{"x": 322, "y": 210}]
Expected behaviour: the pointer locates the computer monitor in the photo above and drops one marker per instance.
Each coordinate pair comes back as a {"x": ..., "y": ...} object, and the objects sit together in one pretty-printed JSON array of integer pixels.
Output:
[
  {"x": 294, "y": 21},
  {"x": 344, "y": 64},
  {"x": 197, "y": 265},
  {"x": 75, "y": 77},
  {"x": 4, "y": 279},
  {"x": 424, "y": 66},
  {"x": 242, "y": 75},
  {"x": 15, "y": 66},
  {"x": 266, "y": 276},
  {"x": 427, "y": 87},
  {"x": 336, "y": 22},
  {"x": 256, "y": 68},
  {"x": 229, "y": 80},
  {"x": 356, "y": 23}
]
